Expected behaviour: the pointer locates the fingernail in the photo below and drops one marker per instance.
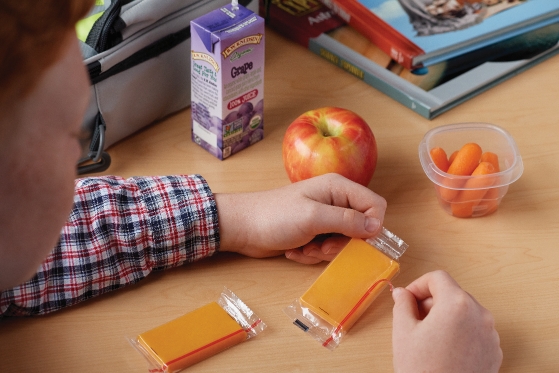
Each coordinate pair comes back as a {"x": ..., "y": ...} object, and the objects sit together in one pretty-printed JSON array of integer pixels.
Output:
[
  {"x": 396, "y": 292},
  {"x": 313, "y": 253},
  {"x": 371, "y": 224},
  {"x": 288, "y": 254}
]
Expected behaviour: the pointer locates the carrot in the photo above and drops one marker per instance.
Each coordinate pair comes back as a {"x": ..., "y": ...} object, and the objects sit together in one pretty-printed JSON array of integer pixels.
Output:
[
  {"x": 452, "y": 156},
  {"x": 465, "y": 162},
  {"x": 438, "y": 155},
  {"x": 490, "y": 201},
  {"x": 475, "y": 189},
  {"x": 491, "y": 158}
]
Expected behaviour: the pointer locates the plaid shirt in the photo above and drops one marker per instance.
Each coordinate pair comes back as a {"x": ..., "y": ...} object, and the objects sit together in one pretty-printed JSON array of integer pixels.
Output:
[{"x": 117, "y": 233}]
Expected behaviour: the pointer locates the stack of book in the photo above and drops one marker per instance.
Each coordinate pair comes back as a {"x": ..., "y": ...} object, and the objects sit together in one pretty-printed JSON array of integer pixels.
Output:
[{"x": 429, "y": 55}]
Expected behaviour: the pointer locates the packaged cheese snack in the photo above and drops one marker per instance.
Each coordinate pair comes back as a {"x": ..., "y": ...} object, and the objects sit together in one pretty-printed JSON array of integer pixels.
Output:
[
  {"x": 198, "y": 335},
  {"x": 347, "y": 287}
]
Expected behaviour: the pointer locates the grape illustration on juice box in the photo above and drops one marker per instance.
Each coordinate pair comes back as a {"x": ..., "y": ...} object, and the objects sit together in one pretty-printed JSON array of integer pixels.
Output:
[{"x": 227, "y": 80}]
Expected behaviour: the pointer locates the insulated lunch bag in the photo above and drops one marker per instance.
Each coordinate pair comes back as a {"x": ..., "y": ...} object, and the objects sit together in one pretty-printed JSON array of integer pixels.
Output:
[{"x": 137, "y": 53}]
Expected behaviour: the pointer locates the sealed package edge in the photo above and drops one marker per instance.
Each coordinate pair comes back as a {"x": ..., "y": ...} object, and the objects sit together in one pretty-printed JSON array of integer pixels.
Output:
[
  {"x": 347, "y": 287},
  {"x": 199, "y": 334}
]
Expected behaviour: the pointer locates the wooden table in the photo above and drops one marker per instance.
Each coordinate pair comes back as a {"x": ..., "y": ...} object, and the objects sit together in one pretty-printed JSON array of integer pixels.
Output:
[{"x": 509, "y": 261}]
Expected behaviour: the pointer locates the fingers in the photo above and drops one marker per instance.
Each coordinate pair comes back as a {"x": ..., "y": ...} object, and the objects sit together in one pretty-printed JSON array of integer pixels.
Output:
[
  {"x": 320, "y": 249},
  {"x": 297, "y": 255},
  {"x": 439, "y": 287},
  {"x": 424, "y": 307},
  {"x": 327, "y": 245},
  {"x": 346, "y": 193},
  {"x": 433, "y": 285},
  {"x": 346, "y": 221},
  {"x": 346, "y": 207},
  {"x": 405, "y": 312}
]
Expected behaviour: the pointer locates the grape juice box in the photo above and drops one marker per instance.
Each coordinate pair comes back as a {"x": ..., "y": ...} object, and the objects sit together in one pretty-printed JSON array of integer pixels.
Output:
[{"x": 227, "y": 77}]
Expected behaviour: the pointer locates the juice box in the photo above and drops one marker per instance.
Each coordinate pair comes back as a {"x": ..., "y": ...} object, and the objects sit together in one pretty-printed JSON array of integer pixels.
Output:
[{"x": 227, "y": 77}]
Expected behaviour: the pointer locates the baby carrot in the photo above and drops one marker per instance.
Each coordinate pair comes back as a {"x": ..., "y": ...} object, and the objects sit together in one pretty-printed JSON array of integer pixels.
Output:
[
  {"x": 463, "y": 205},
  {"x": 438, "y": 155},
  {"x": 465, "y": 162},
  {"x": 491, "y": 158},
  {"x": 490, "y": 201},
  {"x": 452, "y": 156}
]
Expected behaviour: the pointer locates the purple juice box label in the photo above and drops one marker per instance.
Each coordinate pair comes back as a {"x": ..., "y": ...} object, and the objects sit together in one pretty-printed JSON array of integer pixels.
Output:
[{"x": 227, "y": 80}]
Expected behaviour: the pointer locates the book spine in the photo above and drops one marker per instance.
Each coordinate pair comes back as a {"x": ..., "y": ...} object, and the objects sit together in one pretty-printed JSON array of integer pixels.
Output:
[
  {"x": 392, "y": 42},
  {"x": 299, "y": 21},
  {"x": 331, "y": 54}
]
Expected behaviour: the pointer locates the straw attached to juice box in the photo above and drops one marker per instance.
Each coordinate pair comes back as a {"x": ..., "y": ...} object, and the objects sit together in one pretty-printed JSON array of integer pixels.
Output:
[
  {"x": 347, "y": 287},
  {"x": 199, "y": 334}
]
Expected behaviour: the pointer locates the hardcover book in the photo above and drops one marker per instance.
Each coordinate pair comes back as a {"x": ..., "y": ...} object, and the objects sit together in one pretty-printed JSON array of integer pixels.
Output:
[
  {"x": 417, "y": 33},
  {"x": 429, "y": 91}
]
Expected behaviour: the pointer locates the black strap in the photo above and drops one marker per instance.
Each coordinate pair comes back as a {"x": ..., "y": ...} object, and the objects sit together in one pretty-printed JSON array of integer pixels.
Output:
[
  {"x": 102, "y": 165},
  {"x": 97, "y": 160}
]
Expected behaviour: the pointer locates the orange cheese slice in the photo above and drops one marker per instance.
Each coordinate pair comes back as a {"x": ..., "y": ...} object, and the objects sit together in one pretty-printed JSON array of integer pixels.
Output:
[
  {"x": 349, "y": 284},
  {"x": 192, "y": 338}
]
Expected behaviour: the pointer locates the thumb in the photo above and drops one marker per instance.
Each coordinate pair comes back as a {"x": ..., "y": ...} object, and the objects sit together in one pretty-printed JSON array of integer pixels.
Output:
[
  {"x": 347, "y": 221},
  {"x": 405, "y": 312}
]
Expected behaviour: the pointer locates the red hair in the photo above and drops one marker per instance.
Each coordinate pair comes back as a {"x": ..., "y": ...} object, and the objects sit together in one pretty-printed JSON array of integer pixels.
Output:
[{"x": 31, "y": 33}]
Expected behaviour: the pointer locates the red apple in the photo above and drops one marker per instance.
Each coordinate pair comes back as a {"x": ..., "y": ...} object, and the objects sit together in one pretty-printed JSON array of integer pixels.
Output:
[{"x": 330, "y": 139}]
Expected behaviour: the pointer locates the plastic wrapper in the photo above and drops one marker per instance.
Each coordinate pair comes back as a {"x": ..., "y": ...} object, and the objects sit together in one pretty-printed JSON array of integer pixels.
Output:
[
  {"x": 198, "y": 335},
  {"x": 347, "y": 287}
]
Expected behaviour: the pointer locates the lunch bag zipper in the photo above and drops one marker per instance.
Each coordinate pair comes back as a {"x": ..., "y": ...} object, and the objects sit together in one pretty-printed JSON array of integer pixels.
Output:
[
  {"x": 99, "y": 37},
  {"x": 112, "y": 26},
  {"x": 153, "y": 50}
]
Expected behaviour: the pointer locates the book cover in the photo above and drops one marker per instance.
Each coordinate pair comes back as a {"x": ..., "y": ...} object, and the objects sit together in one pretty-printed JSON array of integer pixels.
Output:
[
  {"x": 429, "y": 91},
  {"x": 299, "y": 21},
  {"x": 418, "y": 33}
]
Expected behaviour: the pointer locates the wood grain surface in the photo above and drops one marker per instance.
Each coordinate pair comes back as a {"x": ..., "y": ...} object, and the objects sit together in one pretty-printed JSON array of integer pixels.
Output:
[{"x": 509, "y": 260}]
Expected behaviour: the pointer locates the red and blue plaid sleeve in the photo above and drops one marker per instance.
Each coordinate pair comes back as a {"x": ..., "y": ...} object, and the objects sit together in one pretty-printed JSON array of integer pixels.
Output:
[{"x": 117, "y": 233}]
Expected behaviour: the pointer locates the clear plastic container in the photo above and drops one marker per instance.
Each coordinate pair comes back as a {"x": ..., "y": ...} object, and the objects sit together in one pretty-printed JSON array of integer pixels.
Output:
[{"x": 490, "y": 189}]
